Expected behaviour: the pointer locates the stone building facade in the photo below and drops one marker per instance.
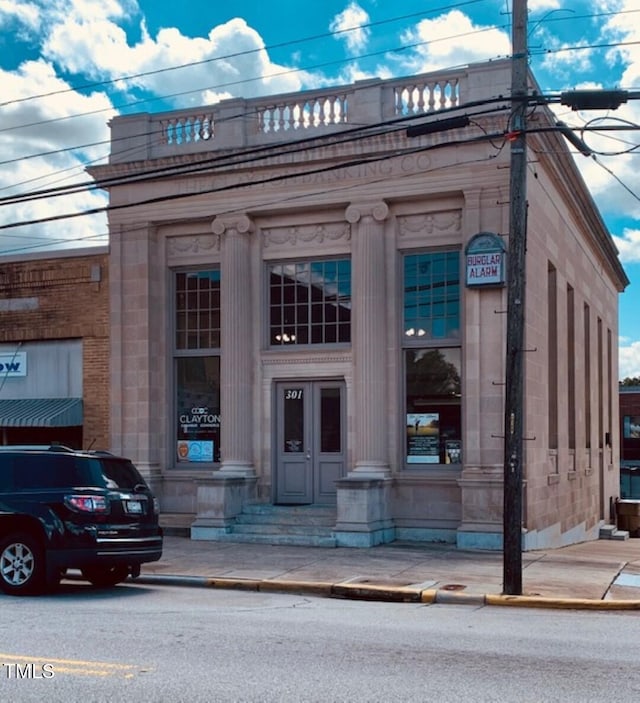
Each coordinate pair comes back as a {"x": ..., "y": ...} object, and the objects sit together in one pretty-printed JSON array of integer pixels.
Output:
[
  {"x": 54, "y": 348},
  {"x": 308, "y": 311}
]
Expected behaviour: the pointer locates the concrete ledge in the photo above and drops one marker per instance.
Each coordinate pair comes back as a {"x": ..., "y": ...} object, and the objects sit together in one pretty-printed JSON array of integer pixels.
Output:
[
  {"x": 369, "y": 591},
  {"x": 382, "y": 592},
  {"x": 318, "y": 588},
  {"x": 364, "y": 539},
  {"x": 457, "y": 598},
  {"x": 566, "y": 603}
]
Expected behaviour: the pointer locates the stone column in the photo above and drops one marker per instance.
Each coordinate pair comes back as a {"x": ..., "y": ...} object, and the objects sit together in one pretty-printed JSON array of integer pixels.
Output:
[
  {"x": 236, "y": 329},
  {"x": 369, "y": 341}
]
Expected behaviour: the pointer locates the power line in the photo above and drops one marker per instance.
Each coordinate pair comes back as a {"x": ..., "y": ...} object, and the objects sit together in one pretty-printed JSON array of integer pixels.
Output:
[
  {"x": 244, "y": 156},
  {"x": 44, "y": 122},
  {"x": 290, "y": 147},
  {"x": 290, "y": 198},
  {"x": 238, "y": 54},
  {"x": 613, "y": 175},
  {"x": 219, "y": 189}
]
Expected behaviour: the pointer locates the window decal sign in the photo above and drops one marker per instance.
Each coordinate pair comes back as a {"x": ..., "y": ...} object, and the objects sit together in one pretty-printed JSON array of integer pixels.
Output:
[
  {"x": 195, "y": 450},
  {"x": 485, "y": 260}
]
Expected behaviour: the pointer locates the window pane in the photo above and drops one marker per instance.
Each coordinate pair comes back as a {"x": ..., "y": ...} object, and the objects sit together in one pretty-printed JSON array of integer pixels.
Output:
[
  {"x": 307, "y": 305},
  {"x": 197, "y": 309},
  {"x": 330, "y": 420},
  {"x": 198, "y": 409},
  {"x": 433, "y": 406},
  {"x": 432, "y": 292},
  {"x": 293, "y": 440}
]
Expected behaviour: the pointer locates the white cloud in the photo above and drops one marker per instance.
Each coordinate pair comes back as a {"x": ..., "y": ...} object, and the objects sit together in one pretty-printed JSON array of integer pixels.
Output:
[
  {"x": 629, "y": 246},
  {"x": 541, "y": 5},
  {"x": 564, "y": 60},
  {"x": 348, "y": 25},
  {"x": 41, "y": 137},
  {"x": 453, "y": 40},
  {"x": 629, "y": 360},
  {"x": 231, "y": 60},
  {"x": 39, "y": 148},
  {"x": 26, "y": 14}
]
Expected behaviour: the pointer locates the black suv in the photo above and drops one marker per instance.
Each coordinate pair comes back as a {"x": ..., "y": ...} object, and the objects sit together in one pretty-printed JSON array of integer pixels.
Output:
[{"x": 64, "y": 509}]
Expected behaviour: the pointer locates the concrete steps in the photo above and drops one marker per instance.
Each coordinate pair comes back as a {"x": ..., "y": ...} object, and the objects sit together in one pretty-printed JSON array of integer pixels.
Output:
[
  {"x": 177, "y": 524},
  {"x": 612, "y": 532},
  {"x": 261, "y": 523},
  {"x": 303, "y": 525}
]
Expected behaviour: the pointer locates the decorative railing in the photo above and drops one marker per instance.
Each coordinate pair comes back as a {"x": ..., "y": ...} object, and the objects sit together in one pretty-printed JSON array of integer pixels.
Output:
[
  {"x": 418, "y": 97},
  {"x": 238, "y": 123},
  {"x": 302, "y": 112},
  {"x": 185, "y": 129}
]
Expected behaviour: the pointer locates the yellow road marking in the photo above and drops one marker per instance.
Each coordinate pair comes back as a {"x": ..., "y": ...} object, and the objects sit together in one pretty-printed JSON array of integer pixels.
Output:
[{"x": 75, "y": 666}]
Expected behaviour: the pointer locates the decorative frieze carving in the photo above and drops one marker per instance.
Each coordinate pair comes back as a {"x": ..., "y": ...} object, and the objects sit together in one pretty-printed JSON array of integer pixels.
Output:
[
  {"x": 194, "y": 244},
  {"x": 316, "y": 233},
  {"x": 446, "y": 222},
  {"x": 316, "y": 360}
]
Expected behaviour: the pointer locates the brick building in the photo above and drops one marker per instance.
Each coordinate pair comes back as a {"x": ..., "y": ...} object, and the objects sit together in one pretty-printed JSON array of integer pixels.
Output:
[
  {"x": 308, "y": 315},
  {"x": 630, "y": 441},
  {"x": 54, "y": 348}
]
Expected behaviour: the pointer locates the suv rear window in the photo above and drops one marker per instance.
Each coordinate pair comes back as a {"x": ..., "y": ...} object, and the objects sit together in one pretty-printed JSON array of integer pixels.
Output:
[
  {"x": 46, "y": 470},
  {"x": 39, "y": 470},
  {"x": 118, "y": 473}
]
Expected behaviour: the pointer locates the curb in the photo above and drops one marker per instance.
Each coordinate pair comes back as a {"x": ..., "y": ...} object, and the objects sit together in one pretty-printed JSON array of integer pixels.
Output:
[{"x": 374, "y": 592}]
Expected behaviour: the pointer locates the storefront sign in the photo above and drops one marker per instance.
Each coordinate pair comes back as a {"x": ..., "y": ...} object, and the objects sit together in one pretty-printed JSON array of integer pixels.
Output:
[
  {"x": 13, "y": 364},
  {"x": 485, "y": 260},
  {"x": 200, "y": 418}
]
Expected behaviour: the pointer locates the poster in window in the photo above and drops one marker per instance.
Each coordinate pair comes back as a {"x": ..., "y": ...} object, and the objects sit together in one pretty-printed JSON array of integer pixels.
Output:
[
  {"x": 423, "y": 438},
  {"x": 453, "y": 451}
]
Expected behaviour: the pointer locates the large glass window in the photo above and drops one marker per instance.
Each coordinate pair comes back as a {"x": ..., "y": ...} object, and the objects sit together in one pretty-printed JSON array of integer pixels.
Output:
[
  {"x": 197, "y": 366},
  {"x": 198, "y": 409},
  {"x": 432, "y": 296},
  {"x": 433, "y": 406},
  {"x": 198, "y": 310},
  {"x": 432, "y": 357},
  {"x": 310, "y": 302}
]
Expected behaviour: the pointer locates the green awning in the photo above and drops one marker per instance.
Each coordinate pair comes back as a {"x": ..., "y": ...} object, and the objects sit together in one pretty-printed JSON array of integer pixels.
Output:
[{"x": 41, "y": 412}]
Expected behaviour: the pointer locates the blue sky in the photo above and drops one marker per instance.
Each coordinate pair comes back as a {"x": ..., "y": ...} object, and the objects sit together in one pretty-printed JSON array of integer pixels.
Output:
[{"x": 68, "y": 66}]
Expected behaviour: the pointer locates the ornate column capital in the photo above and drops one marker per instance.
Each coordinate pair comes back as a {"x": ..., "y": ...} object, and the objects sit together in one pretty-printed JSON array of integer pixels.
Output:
[
  {"x": 376, "y": 210},
  {"x": 240, "y": 223}
]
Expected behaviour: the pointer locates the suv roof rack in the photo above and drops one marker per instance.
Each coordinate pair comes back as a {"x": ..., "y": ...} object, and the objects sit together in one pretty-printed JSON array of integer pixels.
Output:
[{"x": 36, "y": 448}]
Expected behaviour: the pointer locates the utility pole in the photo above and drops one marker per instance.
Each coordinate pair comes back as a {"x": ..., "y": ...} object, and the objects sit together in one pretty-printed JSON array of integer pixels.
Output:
[{"x": 514, "y": 371}]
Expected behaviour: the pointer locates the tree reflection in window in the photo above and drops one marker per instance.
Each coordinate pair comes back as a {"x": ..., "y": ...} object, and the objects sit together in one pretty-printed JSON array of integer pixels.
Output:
[{"x": 433, "y": 390}]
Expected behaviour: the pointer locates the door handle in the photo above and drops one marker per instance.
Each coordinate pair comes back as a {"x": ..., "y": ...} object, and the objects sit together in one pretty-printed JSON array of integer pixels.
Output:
[{"x": 308, "y": 454}]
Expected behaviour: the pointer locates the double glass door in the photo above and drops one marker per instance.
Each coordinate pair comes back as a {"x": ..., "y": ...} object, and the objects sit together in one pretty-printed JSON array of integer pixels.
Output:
[{"x": 310, "y": 441}]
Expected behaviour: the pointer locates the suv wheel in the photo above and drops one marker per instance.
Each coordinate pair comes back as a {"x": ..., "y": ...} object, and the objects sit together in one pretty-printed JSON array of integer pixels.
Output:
[
  {"x": 105, "y": 576},
  {"x": 22, "y": 564}
]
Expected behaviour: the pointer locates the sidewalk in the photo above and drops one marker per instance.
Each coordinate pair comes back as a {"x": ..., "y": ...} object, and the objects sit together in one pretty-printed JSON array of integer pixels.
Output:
[{"x": 603, "y": 574}]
